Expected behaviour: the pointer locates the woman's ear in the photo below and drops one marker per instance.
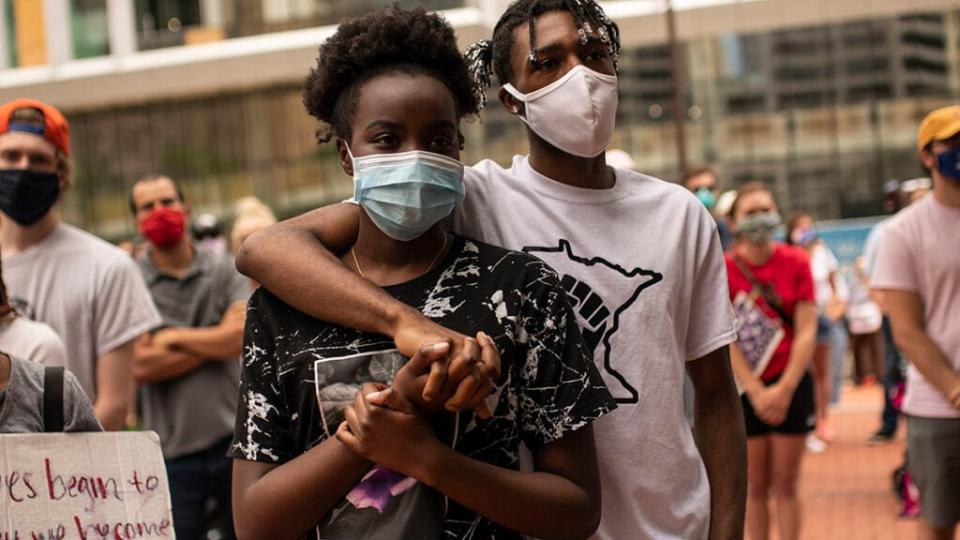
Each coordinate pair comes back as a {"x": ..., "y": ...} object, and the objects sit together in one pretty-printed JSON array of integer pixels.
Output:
[
  {"x": 512, "y": 104},
  {"x": 346, "y": 162}
]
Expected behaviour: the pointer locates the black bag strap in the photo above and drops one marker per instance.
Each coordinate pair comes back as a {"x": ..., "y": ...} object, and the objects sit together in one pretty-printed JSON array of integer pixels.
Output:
[
  {"x": 53, "y": 399},
  {"x": 765, "y": 290}
]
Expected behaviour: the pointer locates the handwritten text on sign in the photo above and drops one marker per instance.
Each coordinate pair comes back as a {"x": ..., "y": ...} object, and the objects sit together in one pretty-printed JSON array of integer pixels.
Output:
[{"x": 83, "y": 486}]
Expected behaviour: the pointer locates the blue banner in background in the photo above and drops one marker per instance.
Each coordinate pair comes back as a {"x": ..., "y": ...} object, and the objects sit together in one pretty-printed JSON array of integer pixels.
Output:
[{"x": 846, "y": 238}]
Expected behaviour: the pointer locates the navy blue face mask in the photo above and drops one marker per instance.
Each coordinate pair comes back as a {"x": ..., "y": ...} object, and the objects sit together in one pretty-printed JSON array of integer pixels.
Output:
[
  {"x": 26, "y": 196},
  {"x": 949, "y": 164}
]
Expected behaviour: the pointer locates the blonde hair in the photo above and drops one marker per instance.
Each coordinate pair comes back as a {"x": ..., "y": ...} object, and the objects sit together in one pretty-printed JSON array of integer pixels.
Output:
[{"x": 251, "y": 216}]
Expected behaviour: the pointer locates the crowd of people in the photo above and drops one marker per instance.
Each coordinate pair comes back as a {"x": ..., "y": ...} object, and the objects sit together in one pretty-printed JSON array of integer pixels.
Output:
[{"x": 558, "y": 348}]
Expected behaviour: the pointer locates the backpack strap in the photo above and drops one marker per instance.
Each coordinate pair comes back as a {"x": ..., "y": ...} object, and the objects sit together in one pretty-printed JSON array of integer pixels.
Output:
[
  {"x": 764, "y": 290},
  {"x": 53, "y": 399}
]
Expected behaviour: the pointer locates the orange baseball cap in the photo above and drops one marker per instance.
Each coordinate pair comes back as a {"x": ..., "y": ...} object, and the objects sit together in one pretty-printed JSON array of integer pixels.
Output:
[
  {"x": 55, "y": 127},
  {"x": 941, "y": 124}
]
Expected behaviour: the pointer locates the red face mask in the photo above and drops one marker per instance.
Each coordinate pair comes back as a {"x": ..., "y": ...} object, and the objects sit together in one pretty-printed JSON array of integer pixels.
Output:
[{"x": 163, "y": 227}]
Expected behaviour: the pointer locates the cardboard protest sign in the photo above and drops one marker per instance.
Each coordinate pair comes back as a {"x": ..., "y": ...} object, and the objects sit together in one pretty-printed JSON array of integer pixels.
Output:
[{"x": 83, "y": 486}]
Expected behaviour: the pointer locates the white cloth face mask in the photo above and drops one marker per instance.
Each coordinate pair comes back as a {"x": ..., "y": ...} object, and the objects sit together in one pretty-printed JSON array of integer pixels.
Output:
[{"x": 575, "y": 113}]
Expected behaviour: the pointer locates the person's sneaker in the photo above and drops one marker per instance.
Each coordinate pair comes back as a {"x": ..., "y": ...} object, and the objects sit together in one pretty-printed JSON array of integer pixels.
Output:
[
  {"x": 815, "y": 445},
  {"x": 825, "y": 433},
  {"x": 911, "y": 498},
  {"x": 880, "y": 437}
]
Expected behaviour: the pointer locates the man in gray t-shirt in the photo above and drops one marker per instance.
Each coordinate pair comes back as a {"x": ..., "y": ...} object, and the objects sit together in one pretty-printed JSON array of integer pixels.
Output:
[
  {"x": 86, "y": 290},
  {"x": 189, "y": 368}
]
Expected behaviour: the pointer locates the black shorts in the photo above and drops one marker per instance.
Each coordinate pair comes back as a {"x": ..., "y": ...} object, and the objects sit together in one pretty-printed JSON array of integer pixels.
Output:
[{"x": 801, "y": 417}]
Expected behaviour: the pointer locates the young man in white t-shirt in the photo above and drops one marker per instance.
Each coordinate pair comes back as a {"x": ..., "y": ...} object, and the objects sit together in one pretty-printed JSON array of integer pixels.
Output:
[
  {"x": 89, "y": 292},
  {"x": 640, "y": 259},
  {"x": 917, "y": 278}
]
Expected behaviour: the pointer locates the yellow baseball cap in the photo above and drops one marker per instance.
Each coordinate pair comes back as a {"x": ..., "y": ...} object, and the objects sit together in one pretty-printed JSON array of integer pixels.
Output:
[{"x": 939, "y": 125}]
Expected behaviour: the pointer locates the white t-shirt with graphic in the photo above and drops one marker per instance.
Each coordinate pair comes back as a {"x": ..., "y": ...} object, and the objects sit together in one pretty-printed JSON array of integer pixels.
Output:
[{"x": 644, "y": 270}]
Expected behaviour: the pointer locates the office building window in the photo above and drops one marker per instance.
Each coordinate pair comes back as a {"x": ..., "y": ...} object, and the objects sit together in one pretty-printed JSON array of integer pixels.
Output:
[
  {"x": 88, "y": 21},
  {"x": 166, "y": 23},
  {"x": 11, "y": 34}
]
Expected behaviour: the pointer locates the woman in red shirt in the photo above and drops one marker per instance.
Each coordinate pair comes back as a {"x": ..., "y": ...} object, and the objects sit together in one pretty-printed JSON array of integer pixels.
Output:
[{"x": 772, "y": 288}]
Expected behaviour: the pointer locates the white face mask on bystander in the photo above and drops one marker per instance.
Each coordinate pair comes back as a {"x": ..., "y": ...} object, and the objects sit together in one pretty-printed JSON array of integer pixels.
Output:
[{"x": 575, "y": 113}]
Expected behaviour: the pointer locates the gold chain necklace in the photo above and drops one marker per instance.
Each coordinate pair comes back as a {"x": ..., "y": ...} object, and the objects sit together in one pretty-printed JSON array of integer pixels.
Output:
[{"x": 429, "y": 268}]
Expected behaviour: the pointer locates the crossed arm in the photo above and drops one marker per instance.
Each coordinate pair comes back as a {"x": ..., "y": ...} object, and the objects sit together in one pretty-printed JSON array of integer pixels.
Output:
[
  {"x": 320, "y": 284},
  {"x": 174, "y": 352},
  {"x": 310, "y": 242}
]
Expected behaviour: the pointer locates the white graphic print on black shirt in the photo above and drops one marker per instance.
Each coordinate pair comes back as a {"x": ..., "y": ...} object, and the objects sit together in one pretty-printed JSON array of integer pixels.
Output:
[
  {"x": 394, "y": 496},
  {"x": 548, "y": 388}
]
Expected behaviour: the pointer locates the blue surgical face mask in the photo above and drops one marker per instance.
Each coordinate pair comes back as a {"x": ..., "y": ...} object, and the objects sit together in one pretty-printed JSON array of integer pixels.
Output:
[
  {"x": 406, "y": 194},
  {"x": 803, "y": 237},
  {"x": 949, "y": 164},
  {"x": 705, "y": 195}
]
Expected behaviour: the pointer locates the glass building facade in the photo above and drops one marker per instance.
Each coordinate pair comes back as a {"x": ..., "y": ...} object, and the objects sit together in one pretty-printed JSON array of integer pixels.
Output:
[
  {"x": 825, "y": 114},
  {"x": 166, "y": 23}
]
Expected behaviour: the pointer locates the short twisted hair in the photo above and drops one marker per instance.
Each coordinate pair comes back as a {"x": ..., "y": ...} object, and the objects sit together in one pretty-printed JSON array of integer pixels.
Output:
[{"x": 493, "y": 56}]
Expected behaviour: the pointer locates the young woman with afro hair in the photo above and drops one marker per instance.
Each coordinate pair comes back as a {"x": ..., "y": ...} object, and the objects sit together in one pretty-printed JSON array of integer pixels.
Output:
[{"x": 332, "y": 434}]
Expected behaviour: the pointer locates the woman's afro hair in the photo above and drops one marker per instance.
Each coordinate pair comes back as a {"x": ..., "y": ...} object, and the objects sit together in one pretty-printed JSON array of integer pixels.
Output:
[{"x": 386, "y": 41}]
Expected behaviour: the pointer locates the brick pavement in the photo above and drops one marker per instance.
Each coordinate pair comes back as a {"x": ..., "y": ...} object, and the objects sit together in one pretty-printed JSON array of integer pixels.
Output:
[{"x": 846, "y": 491}]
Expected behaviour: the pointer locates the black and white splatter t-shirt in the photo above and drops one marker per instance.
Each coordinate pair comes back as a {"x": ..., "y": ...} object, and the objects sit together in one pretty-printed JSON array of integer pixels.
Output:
[{"x": 549, "y": 385}]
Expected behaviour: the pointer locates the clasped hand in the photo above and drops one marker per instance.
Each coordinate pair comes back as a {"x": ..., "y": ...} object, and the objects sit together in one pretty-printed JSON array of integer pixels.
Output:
[
  {"x": 453, "y": 373},
  {"x": 771, "y": 404},
  {"x": 954, "y": 397},
  {"x": 384, "y": 427},
  {"x": 387, "y": 424}
]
